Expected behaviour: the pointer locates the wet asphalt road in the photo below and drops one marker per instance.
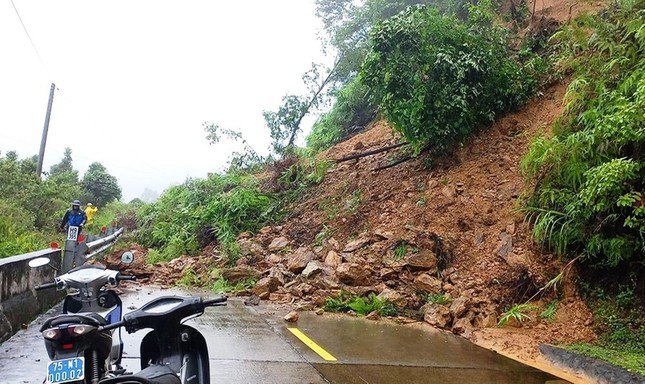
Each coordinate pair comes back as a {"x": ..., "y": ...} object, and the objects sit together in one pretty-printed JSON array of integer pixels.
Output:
[{"x": 253, "y": 345}]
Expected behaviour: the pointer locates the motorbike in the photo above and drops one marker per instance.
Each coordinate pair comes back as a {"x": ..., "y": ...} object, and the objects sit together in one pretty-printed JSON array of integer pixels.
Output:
[
  {"x": 172, "y": 353},
  {"x": 69, "y": 339}
]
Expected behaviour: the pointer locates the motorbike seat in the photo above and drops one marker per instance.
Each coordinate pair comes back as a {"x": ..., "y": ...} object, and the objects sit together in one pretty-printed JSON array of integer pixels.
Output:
[
  {"x": 88, "y": 318},
  {"x": 154, "y": 374}
]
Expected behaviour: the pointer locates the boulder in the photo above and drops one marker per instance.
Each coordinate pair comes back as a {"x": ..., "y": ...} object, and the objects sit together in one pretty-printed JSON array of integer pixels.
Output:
[
  {"x": 459, "y": 307},
  {"x": 437, "y": 315},
  {"x": 313, "y": 268},
  {"x": 239, "y": 273},
  {"x": 461, "y": 326},
  {"x": 278, "y": 243},
  {"x": 425, "y": 259},
  {"x": 505, "y": 244},
  {"x": 265, "y": 286},
  {"x": 333, "y": 259},
  {"x": 356, "y": 244},
  {"x": 352, "y": 274},
  {"x": 291, "y": 317},
  {"x": 393, "y": 297},
  {"x": 427, "y": 283},
  {"x": 280, "y": 273},
  {"x": 299, "y": 259}
]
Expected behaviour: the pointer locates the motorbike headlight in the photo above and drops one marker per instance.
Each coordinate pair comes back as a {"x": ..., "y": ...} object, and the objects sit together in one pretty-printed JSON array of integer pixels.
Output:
[
  {"x": 52, "y": 334},
  {"x": 78, "y": 330}
]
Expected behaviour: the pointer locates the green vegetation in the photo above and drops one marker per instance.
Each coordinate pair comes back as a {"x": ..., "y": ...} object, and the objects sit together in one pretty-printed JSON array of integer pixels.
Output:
[
  {"x": 516, "y": 312},
  {"x": 201, "y": 212},
  {"x": 31, "y": 207},
  {"x": 590, "y": 171},
  {"x": 549, "y": 312},
  {"x": 619, "y": 322},
  {"x": 352, "y": 110},
  {"x": 437, "y": 78},
  {"x": 362, "y": 306},
  {"x": 438, "y": 298}
]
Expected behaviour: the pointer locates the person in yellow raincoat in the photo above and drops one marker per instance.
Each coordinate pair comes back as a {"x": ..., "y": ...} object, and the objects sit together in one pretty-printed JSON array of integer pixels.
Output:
[{"x": 90, "y": 211}]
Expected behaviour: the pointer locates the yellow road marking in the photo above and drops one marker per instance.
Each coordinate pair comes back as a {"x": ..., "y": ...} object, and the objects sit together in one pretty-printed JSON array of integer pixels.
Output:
[{"x": 312, "y": 344}]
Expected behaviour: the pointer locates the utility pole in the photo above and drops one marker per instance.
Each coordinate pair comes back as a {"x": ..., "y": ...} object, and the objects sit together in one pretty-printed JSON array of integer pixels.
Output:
[{"x": 43, "y": 141}]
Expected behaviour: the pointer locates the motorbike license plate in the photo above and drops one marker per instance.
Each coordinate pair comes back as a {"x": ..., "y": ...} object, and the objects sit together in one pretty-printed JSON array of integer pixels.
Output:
[
  {"x": 64, "y": 371},
  {"x": 72, "y": 233}
]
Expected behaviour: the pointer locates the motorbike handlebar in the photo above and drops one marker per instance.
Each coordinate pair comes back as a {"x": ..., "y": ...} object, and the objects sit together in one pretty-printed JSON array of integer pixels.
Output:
[
  {"x": 45, "y": 286},
  {"x": 110, "y": 327},
  {"x": 218, "y": 301},
  {"x": 126, "y": 278}
]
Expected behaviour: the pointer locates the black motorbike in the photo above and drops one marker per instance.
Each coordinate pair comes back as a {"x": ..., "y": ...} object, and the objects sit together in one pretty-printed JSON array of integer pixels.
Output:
[
  {"x": 73, "y": 343},
  {"x": 172, "y": 353}
]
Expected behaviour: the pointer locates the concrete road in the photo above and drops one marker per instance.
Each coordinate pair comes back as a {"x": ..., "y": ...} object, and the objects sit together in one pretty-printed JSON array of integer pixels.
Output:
[{"x": 254, "y": 345}]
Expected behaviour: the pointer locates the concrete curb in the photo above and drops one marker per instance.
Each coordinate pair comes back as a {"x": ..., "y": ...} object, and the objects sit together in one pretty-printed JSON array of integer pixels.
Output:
[
  {"x": 602, "y": 372},
  {"x": 19, "y": 303}
]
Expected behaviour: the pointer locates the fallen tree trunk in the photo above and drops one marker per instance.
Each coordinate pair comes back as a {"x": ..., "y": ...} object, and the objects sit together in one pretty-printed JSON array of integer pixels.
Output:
[
  {"x": 400, "y": 161},
  {"x": 370, "y": 153}
]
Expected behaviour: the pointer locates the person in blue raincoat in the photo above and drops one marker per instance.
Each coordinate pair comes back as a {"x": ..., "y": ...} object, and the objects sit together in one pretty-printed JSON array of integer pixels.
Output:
[{"x": 74, "y": 217}]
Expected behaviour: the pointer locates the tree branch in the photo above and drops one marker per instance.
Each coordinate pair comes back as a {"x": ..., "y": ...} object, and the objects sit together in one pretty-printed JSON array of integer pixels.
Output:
[{"x": 372, "y": 152}]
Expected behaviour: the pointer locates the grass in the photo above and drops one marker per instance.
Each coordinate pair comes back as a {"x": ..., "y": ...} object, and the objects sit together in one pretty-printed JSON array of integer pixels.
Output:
[
  {"x": 221, "y": 285},
  {"x": 362, "y": 306},
  {"x": 516, "y": 312},
  {"x": 550, "y": 310},
  {"x": 438, "y": 298},
  {"x": 633, "y": 361}
]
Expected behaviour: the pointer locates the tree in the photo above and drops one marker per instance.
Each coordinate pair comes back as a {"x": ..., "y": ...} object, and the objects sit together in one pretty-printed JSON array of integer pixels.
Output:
[
  {"x": 284, "y": 123},
  {"x": 100, "y": 187},
  {"x": 64, "y": 166}
]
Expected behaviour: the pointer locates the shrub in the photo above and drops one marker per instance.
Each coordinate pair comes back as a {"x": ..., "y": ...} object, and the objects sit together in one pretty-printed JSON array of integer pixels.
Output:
[
  {"x": 590, "y": 172},
  {"x": 437, "y": 79},
  {"x": 222, "y": 206},
  {"x": 352, "y": 110}
]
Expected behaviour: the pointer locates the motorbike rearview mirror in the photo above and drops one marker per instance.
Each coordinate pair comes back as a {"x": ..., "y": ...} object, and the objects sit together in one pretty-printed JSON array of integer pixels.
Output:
[
  {"x": 38, "y": 262},
  {"x": 127, "y": 257}
]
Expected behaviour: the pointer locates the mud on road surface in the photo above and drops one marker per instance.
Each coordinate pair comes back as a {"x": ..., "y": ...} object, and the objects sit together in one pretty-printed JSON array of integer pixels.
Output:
[{"x": 254, "y": 345}]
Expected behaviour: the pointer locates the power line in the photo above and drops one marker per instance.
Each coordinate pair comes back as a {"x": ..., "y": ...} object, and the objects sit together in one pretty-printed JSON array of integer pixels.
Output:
[{"x": 24, "y": 28}]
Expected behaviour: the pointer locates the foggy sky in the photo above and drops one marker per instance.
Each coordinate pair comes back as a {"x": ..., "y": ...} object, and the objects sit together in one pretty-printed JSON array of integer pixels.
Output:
[{"x": 136, "y": 80}]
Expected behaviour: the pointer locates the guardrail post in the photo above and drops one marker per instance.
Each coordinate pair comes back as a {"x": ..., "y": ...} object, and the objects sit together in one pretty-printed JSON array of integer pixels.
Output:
[{"x": 69, "y": 255}]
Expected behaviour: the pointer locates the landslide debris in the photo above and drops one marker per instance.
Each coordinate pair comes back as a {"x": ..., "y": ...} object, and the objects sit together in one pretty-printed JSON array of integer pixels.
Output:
[{"x": 440, "y": 238}]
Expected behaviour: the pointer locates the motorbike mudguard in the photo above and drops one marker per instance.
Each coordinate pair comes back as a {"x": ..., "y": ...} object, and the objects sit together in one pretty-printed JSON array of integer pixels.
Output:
[{"x": 184, "y": 350}]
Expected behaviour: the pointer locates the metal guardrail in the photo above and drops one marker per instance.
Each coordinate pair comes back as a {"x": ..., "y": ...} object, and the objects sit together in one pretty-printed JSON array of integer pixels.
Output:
[{"x": 101, "y": 245}]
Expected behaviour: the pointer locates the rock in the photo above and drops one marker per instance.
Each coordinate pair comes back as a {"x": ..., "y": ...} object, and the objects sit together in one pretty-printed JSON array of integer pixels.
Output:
[
  {"x": 510, "y": 229},
  {"x": 425, "y": 259},
  {"x": 489, "y": 321},
  {"x": 359, "y": 145},
  {"x": 352, "y": 274},
  {"x": 320, "y": 311},
  {"x": 304, "y": 306},
  {"x": 266, "y": 285},
  {"x": 462, "y": 326},
  {"x": 278, "y": 243},
  {"x": 388, "y": 273},
  {"x": 333, "y": 259},
  {"x": 333, "y": 243},
  {"x": 374, "y": 315},
  {"x": 427, "y": 283},
  {"x": 513, "y": 322},
  {"x": 313, "y": 267},
  {"x": 274, "y": 259},
  {"x": 393, "y": 297},
  {"x": 432, "y": 183},
  {"x": 356, "y": 244},
  {"x": 291, "y": 317},
  {"x": 437, "y": 315},
  {"x": 252, "y": 300},
  {"x": 479, "y": 237},
  {"x": 237, "y": 274},
  {"x": 448, "y": 192},
  {"x": 459, "y": 306},
  {"x": 299, "y": 259},
  {"x": 279, "y": 272},
  {"x": 382, "y": 233},
  {"x": 506, "y": 245}
]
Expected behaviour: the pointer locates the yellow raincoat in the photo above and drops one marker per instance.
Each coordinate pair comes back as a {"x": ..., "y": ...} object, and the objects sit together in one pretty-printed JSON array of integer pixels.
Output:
[{"x": 90, "y": 211}]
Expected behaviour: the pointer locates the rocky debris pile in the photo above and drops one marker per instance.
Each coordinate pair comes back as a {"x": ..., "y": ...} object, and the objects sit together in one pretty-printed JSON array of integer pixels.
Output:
[{"x": 404, "y": 269}]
